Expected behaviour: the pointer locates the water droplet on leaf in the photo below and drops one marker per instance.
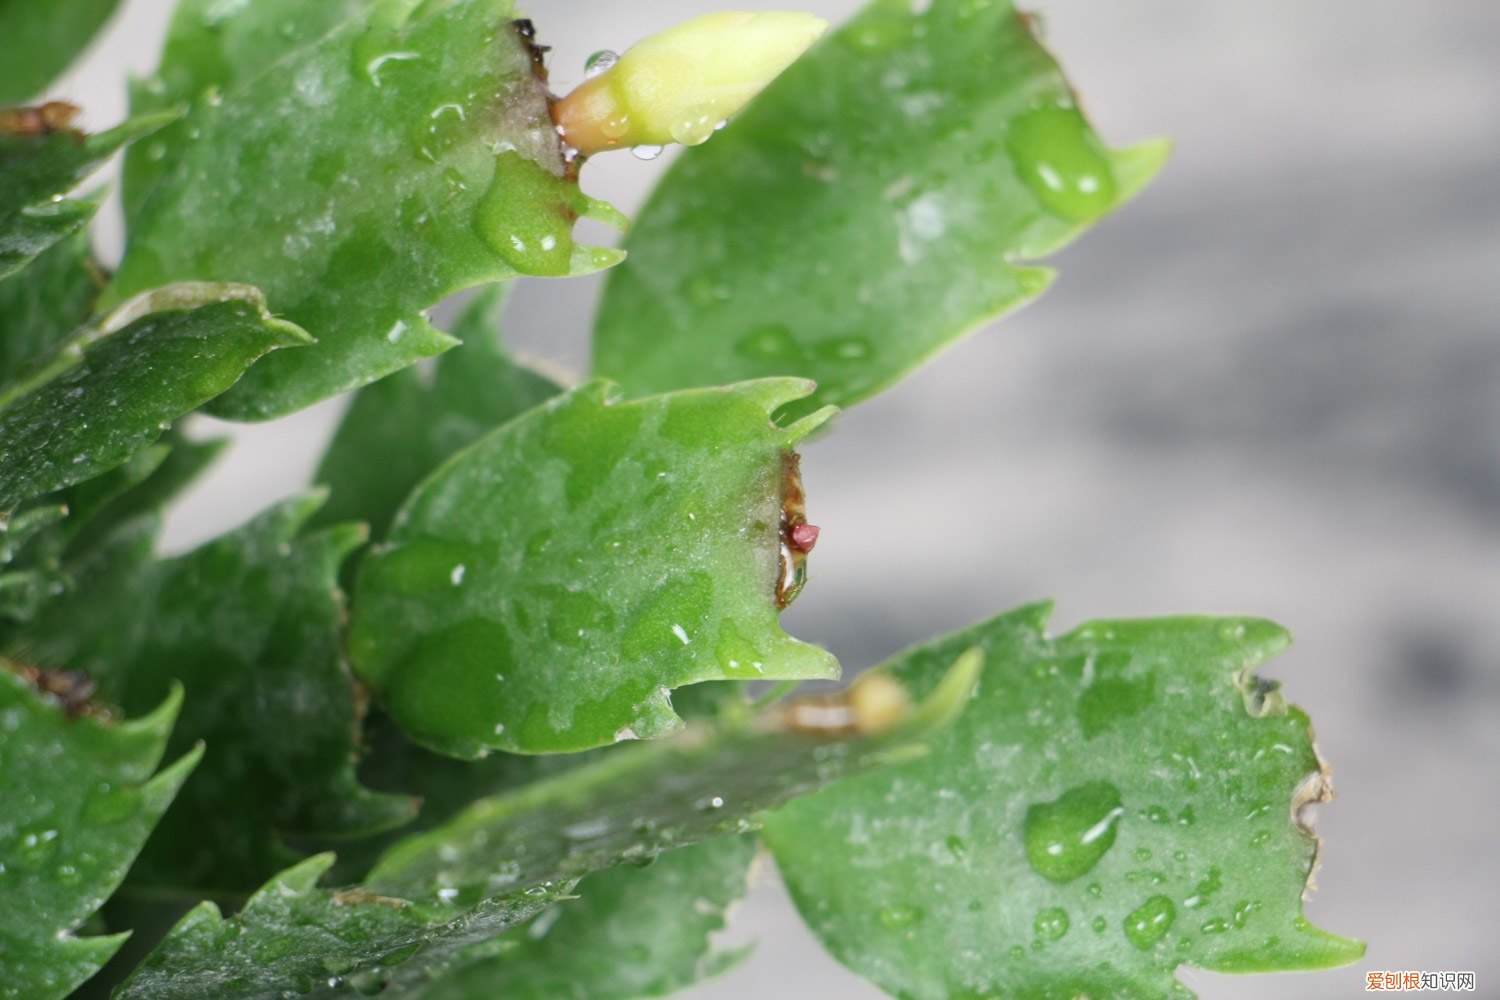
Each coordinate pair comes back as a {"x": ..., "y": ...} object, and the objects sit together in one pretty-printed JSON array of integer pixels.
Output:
[
  {"x": 1063, "y": 163},
  {"x": 1067, "y": 837}
]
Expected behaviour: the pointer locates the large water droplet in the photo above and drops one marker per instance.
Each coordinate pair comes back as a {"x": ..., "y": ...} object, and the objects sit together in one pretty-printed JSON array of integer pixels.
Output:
[
  {"x": 695, "y": 126},
  {"x": 1149, "y": 922},
  {"x": 1052, "y": 923},
  {"x": 1062, "y": 162},
  {"x": 599, "y": 62},
  {"x": 1067, "y": 837},
  {"x": 645, "y": 152},
  {"x": 526, "y": 216}
]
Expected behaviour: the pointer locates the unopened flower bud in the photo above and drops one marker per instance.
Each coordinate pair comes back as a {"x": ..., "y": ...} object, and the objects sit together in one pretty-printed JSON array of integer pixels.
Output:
[{"x": 679, "y": 85}]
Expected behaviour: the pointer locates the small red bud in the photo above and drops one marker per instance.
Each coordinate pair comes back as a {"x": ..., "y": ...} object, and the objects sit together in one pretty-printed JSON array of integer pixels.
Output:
[{"x": 804, "y": 537}]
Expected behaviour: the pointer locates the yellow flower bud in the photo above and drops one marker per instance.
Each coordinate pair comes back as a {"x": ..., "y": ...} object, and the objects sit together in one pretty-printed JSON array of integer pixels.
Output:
[{"x": 678, "y": 85}]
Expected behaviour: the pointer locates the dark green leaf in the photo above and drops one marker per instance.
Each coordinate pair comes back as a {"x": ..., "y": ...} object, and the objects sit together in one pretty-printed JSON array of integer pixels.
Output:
[
  {"x": 79, "y": 799},
  {"x": 41, "y": 39},
  {"x": 211, "y": 48},
  {"x": 1116, "y": 802},
  {"x": 867, "y": 210},
  {"x": 111, "y": 388},
  {"x": 39, "y": 308},
  {"x": 407, "y": 155},
  {"x": 404, "y": 426},
  {"x": 637, "y": 800},
  {"x": 293, "y": 938},
  {"x": 634, "y": 932},
  {"x": 250, "y": 625},
  {"x": 547, "y": 588},
  {"x": 39, "y": 165}
]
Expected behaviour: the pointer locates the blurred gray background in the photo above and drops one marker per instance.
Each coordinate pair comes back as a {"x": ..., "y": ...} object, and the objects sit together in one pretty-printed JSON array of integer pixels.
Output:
[{"x": 1269, "y": 386}]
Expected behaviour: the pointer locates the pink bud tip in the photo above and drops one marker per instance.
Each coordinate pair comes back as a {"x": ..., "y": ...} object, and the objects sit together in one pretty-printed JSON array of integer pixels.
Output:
[{"x": 804, "y": 537}]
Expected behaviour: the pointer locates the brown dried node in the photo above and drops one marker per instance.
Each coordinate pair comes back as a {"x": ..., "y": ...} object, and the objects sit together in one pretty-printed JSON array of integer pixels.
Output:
[
  {"x": 43, "y": 119},
  {"x": 797, "y": 536}
]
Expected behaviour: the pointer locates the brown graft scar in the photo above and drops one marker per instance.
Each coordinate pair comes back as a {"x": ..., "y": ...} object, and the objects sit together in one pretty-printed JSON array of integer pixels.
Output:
[
  {"x": 797, "y": 537},
  {"x": 72, "y": 690},
  {"x": 42, "y": 119}
]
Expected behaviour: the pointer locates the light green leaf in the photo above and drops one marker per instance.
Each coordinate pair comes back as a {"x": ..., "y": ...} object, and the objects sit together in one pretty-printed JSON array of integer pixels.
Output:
[
  {"x": 636, "y": 800},
  {"x": 112, "y": 387},
  {"x": 294, "y": 938},
  {"x": 212, "y": 47},
  {"x": 406, "y": 155},
  {"x": 633, "y": 932},
  {"x": 404, "y": 426},
  {"x": 547, "y": 588},
  {"x": 79, "y": 799},
  {"x": 39, "y": 164},
  {"x": 1116, "y": 802},
  {"x": 250, "y": 625},
  {"x": 41, "y": 39},
  {"x": 872, "y": 206}
]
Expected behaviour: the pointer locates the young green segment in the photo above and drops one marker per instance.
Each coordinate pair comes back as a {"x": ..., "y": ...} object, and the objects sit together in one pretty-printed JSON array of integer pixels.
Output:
[
  {"x": 405, "y": 155},
  {"x": 879, "y": 200},
  {"x": 1115, "y": 802},
  {"x": 545, "y": 589}
]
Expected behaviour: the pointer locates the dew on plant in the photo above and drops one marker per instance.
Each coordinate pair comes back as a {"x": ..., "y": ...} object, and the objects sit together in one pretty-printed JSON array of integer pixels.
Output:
[
  {"x": 1063, "y": 163},
  {"x": 1067, "y": 837},
  {"x": 1052, "y": 923},
  {"x": 645, "y": 151},
  {"x": 899, "y": 916},
  {"x": 1148, "y": 923},
  {"x": 599, "y": 62}
]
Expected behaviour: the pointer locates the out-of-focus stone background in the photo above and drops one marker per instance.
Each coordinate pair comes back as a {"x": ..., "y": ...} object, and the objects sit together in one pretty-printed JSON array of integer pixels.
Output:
[{"x": 1270, "y": 386}]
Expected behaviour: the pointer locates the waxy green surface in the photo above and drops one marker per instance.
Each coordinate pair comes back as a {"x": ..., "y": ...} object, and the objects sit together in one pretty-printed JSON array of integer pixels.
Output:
[
  {"x": 80, "y": 795},
  {"x": 296, "y": 938},
  {"x": 250, "y": 625},
  {"x": 36, "y": 174},
  {"x": 1115, "y": 802},
  {"x": 879, "y": 200},
  {"x": 110, "y": 388},
  {"x": 633, "y": 932},
  {"x": 401, "y": 428},
  {"x": 635, "y": 801},
  {"x": 404, "y": 156},
  {"x": 548, "y": 587}
]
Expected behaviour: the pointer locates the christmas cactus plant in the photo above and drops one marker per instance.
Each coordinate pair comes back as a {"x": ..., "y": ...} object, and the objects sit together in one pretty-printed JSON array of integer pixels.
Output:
[{"x": 500, "y": 706}]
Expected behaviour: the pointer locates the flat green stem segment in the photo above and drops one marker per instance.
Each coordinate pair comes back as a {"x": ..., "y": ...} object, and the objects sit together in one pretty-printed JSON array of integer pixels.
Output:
[
  {"x": 1116, "y": 802},
  {"x": 41, "y": 39},
  {"x": 634, "y": 932},
  {"x": 439, "y": 899},
  {"x": 294, "y": 938},
  {"x": 39, "y": 168},
  {"x": 213, "y": 47},
  {"x": 635, "y": 801},
  {"x": 109, "y": 389},
  {"x": 79, "y": 799},
  {"x": 545, "y": 589},
  {"x": 51, "y": 299},
  {"x": 865, "y": 211},
  {"x": 404, "y": 156},
  {"x": 401, "y": 428},
  {"x": 250, "y": 625}
]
